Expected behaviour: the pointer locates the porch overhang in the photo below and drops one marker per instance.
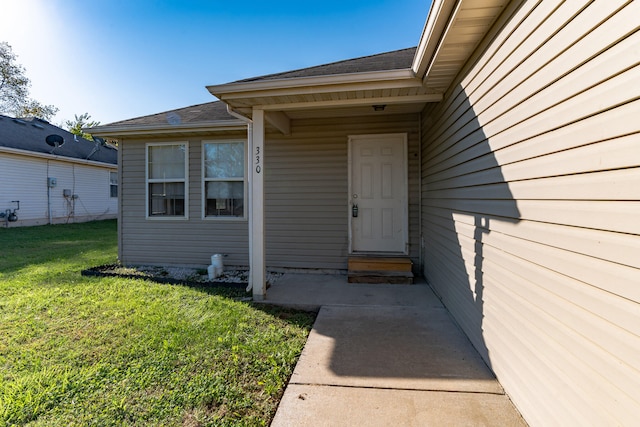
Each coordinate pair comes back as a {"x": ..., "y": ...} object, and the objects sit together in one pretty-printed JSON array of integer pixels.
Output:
[{"x": 341, "y": 94}]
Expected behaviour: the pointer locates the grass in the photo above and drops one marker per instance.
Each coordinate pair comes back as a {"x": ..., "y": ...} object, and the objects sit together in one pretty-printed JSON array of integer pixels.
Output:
[{"x": 80, "y": 350}]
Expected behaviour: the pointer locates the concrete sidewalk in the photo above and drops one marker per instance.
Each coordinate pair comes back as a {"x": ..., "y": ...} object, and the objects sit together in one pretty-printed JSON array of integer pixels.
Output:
[{"x": 389, "y": 355}]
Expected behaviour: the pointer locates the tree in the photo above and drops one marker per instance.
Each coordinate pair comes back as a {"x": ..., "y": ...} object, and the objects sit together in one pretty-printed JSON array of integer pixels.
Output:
[
  {"x": 14, "y": 89},
  {"x": 32, "y": 108},
  {"x": 81, "y": 121}
]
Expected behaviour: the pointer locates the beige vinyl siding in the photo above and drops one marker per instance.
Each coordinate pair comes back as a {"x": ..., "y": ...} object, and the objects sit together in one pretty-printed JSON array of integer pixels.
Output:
[
  {"x": 306, "y": 211},
  {"x": 164, "y": 241},
  {"x": 306, "y": 191},
  {"x": 531, "y": 171}
]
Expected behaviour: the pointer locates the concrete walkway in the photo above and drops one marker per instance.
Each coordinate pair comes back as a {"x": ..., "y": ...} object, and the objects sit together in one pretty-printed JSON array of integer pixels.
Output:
[{"x": 384, "y": 355}]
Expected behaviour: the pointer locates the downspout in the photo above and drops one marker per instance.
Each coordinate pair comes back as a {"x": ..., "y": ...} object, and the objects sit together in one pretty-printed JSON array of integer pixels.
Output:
[
  {"x": 48, "y": 204},
  {"x": 48, "y": 196},
  {"x": 249, "y": 123},
  {"x": 421, "y": 243}
]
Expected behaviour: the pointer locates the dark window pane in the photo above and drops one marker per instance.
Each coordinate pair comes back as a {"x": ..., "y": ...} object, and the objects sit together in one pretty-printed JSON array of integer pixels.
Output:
[
  {"x": 166, "y": 199},
  {"x": 224, "y": 198}
]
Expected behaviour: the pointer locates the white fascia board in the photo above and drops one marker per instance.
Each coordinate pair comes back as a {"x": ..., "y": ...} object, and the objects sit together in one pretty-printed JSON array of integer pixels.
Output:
[
  {"x": 432, "y": 35},
  {"x": 134, "y": 130},
  {"x": 293, "y": 85},
  {"x": 436, "y": 97},
  {"x": 18, "y": 152}
]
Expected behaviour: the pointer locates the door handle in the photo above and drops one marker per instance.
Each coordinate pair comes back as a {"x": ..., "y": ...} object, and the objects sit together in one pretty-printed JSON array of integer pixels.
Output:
[{"x": 354, "y": 211}]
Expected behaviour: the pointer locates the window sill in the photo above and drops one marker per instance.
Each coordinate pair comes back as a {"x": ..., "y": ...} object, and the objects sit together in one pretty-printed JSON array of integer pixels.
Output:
[
  {"x": 225, "y": 218},
  {"x": 167, "y": 218}
]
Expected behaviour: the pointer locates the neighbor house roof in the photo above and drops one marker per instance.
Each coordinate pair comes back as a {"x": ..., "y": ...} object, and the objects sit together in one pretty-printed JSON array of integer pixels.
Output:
[{"x": 29, "y": 135}]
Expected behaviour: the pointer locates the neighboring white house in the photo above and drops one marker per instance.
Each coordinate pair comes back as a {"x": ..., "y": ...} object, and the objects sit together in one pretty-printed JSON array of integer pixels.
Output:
[{"x": 50, "y": 176}]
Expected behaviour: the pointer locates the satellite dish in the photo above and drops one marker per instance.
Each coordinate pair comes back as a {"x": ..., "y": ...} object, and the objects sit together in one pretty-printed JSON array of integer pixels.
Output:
[{"x": 54, "y": 140}]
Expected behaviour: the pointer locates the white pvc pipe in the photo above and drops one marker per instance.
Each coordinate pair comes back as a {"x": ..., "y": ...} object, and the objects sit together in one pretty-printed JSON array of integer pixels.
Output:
[{"x": 49, "y": 201}]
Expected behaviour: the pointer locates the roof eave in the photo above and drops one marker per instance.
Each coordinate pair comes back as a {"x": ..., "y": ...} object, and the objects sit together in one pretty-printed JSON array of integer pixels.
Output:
[
  {"x": 50, "y": 156},
  {"x": 118, "y": 131},
  {"x": 452, "y": 33},
  {"x": 432, "y": 34}
]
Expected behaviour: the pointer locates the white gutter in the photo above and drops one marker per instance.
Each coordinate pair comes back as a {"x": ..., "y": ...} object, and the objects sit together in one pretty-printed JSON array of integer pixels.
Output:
[
  {"x": 132, "y": 130},
  {"x": 237, "y": 115},
  {"x": 19, "y": 152}
]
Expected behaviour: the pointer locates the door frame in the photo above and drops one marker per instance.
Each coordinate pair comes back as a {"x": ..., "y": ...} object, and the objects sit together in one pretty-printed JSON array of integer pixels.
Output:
[{"x": 405, "y": 192}]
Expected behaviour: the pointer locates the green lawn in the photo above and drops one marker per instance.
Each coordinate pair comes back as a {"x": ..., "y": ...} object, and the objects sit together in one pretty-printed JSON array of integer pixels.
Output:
[{"x": 80, "y": 350}]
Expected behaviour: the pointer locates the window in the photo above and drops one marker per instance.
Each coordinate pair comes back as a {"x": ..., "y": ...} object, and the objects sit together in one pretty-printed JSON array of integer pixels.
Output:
[
  {"x": 224, "y": 179},
  {"x": 166, "y": 180},
  {"x": 113, "y": 184}
]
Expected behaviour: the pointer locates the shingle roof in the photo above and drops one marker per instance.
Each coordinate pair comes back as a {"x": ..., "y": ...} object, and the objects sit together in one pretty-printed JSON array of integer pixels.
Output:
[
  {"x": 209, "y": 112},
  {"x": 30, "y": 134},
  {"x": 395, "y": 60},
  {"x": 217, "y": 111}
]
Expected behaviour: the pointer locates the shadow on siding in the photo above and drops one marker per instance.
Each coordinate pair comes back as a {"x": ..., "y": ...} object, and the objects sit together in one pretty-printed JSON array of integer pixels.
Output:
[{"x": 464, "y": 193}]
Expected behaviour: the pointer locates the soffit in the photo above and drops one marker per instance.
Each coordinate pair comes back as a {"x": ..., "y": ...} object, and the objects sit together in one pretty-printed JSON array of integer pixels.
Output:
[{"x": 468, "y": 23}]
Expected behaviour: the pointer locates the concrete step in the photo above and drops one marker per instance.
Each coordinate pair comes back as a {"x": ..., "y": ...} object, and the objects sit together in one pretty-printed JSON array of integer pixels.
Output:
[
  {"x": 368, "y": 263},
  {"x": 382, "y": 277}
]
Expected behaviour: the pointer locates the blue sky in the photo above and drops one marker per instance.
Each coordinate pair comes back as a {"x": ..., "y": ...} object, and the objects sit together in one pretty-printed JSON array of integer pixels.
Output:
[{"x": 118, "y": 59}]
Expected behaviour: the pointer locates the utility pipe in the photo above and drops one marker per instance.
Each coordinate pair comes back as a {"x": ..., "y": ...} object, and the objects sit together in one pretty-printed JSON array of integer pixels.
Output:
[{"x": 49, "y": 201}]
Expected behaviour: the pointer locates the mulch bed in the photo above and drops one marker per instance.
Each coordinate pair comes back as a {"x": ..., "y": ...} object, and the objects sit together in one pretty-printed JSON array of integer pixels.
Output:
[{"x": 112, "y": 270}]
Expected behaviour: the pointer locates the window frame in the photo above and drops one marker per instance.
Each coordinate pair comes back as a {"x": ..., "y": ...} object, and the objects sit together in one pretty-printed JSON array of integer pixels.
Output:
[
  {"x": 184, "y": 180},
  {"x": 111, "y": 184},
  {"x": 204, "y": 180}
]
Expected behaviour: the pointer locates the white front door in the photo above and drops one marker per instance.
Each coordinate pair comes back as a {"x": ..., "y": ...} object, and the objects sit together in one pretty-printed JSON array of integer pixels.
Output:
[{"x": 378, "y": 193}]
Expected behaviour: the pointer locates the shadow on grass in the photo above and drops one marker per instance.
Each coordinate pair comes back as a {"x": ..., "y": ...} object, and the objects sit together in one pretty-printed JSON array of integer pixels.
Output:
[{"x": 301, "y": 318}]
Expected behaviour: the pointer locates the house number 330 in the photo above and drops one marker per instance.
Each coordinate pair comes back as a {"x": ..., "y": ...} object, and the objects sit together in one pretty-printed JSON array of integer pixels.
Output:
[{"x": 258, "y": 165}]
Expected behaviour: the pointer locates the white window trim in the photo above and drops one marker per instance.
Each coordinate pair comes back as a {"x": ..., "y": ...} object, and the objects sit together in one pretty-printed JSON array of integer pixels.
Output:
[
  {"x": 147, "y": 181},
  {"x": 204, "y": 180}
]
